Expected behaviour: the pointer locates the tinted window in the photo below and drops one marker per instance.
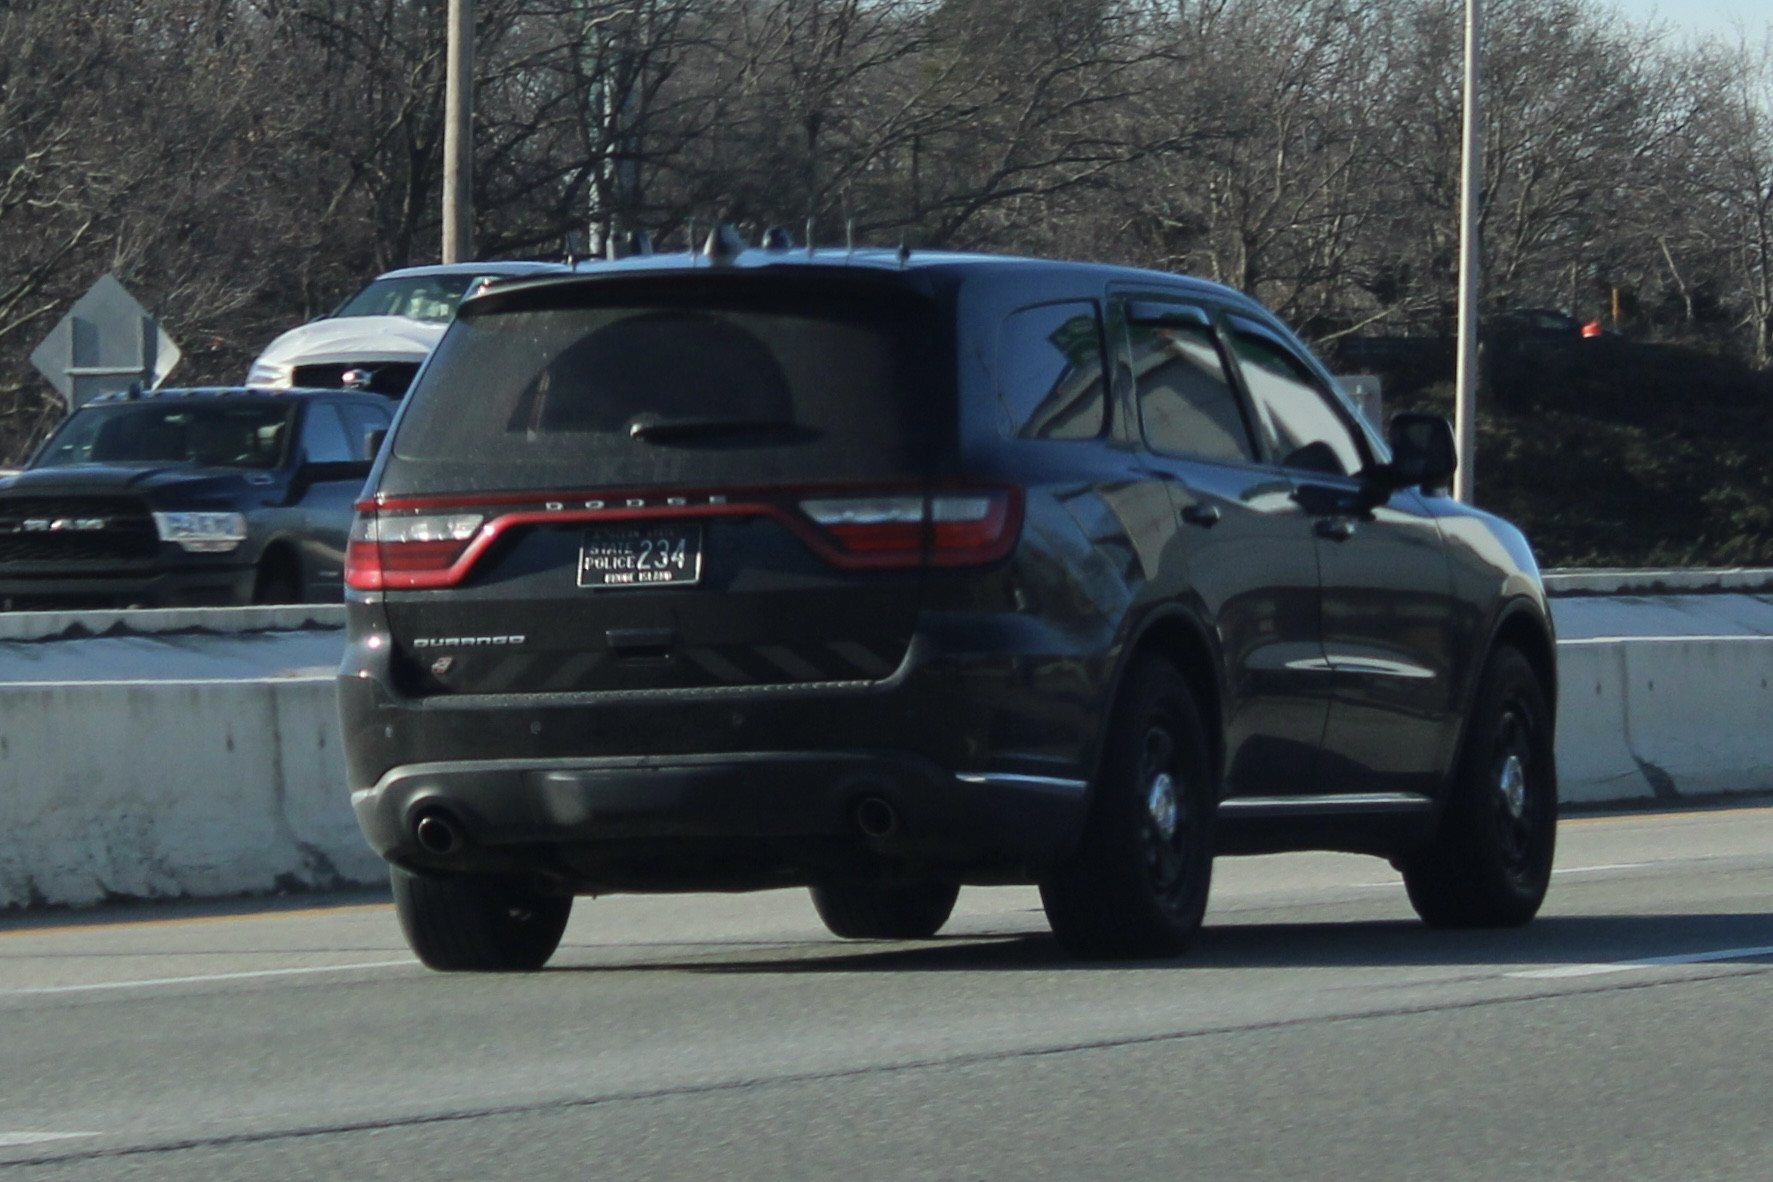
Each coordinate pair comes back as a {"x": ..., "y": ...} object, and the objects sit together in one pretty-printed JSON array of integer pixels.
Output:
[
  {"x": 1186, "y": 404},
  {"x": 729, "y": 379},
  {"x": 324, "y": 438},
  {"x": 1049, "y": 364},
  {"x": 234, "y": 434},
  {"x": 1298, "y": 414},
  {"x": 360, "y": 420}
]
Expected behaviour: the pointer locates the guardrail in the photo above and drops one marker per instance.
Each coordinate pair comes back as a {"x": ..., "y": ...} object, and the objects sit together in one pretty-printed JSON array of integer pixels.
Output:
[{"x": 226, "y": 777}]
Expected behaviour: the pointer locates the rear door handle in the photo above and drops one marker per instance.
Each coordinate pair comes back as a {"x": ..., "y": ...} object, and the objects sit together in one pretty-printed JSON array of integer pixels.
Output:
[
  {"x": 1337, "y": 529},
  {"x": 1201, "y": 514}
]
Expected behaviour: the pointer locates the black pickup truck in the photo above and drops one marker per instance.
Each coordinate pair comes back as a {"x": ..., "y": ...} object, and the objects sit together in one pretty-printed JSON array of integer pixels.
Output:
[{"x": 189, "y": 497}]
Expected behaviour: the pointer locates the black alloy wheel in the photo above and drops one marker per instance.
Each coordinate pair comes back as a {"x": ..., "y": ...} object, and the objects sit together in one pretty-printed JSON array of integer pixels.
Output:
[
  {"x": 1490, "y": 863},
  {"x": 1138, "y": 882}
]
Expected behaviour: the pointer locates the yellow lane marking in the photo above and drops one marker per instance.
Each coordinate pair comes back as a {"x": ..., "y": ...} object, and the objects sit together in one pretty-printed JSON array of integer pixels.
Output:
[{"x": 1618, "y": 818}]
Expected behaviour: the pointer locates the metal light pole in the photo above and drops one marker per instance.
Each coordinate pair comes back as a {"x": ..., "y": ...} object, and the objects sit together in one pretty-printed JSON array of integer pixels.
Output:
[
  {"x": 458, "y": 136},
  {"x": 1471, "y": 177}
]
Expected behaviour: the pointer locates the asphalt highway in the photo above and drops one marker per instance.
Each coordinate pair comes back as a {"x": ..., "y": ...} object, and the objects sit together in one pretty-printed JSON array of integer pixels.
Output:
[{"x": 1316, "y": 1030}]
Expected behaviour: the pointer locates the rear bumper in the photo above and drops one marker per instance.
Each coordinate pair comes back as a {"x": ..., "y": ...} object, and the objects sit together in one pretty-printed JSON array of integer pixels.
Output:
[{"x": 729, "y": 820}]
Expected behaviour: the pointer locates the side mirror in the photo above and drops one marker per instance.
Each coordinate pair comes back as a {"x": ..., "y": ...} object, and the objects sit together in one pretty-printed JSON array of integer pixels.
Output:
[
  {"x": 372, "y": 442},
  {"x": 1423, "y": 451}
]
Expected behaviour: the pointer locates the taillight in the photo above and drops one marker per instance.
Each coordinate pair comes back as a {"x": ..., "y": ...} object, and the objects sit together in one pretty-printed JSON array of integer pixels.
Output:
[
  {"x": 972, "y": 527},
  {"x": 415, "y": 551},
  {"x": 944, "y": 528},
  {"x": 418, "y": 544},
  {"x": 870, "y": 525}
]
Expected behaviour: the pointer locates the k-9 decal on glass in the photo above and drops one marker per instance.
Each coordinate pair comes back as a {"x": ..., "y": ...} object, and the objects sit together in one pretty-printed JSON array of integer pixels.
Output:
[{"x": 641, "y": 556}]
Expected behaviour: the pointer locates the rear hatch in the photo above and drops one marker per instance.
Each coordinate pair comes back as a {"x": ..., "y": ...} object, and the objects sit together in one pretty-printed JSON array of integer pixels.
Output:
[{"x": 683, "y": 481}]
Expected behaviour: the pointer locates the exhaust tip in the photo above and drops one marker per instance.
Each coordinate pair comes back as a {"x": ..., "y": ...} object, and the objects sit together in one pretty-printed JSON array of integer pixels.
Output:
[
  {"x": 875, "y": 817},
  {"x": 437, "y": 832}
]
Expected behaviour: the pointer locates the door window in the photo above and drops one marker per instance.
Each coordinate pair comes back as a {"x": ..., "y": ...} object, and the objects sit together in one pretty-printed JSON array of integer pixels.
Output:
[
  {"x": 360, "y": 420},
  {"x": 324, "y": 439},
  {"x": 1187, "y": 406},
  {"x": 1299, "y": 415}
]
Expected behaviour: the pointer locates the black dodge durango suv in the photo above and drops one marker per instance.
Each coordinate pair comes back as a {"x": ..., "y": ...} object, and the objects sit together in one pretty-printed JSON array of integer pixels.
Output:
[{"x": 885, "y": 573}]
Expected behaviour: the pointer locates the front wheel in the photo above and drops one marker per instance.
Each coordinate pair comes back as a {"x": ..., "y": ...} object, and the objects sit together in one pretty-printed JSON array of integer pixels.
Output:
[
  {"x": 1490, "y": 863},
  {"x": 486, "y": 925},
  {"x": 1138, "y": 883}
]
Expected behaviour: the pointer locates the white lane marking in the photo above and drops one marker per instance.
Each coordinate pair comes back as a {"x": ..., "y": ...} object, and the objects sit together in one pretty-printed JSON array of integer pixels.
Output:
[
  {"x": 151, "y": 982},
  {"x": 1398, "y": 882},
  {"x": 1648, "y": 962},
  {"x": 8, "y": 1140},
  {"x": 1733, "y": 638}
]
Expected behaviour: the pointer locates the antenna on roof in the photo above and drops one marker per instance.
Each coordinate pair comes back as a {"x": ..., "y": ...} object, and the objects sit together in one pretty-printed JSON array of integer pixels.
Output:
[
  {"x": 809, "y": 236},
  {"x": 689, "y": 239},
  {"x": 622, "y": 246},
  {"x": 849, "y": 236},
  {"x": 904, "y": 252},
  {"x": 724, "y": 244}
]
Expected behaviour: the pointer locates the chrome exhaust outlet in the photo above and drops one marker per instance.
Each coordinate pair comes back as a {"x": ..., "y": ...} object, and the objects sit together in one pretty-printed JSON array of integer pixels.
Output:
[
  {"x": 437, "y": 832},
  {"x": 876, "y": 818}
]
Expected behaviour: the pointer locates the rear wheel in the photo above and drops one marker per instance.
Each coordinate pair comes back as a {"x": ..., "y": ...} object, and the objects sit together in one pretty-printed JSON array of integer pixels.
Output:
[
  {"x": 1490, "y": 863},
  {"x": 1138, "y": 883},
  {"x": 874, "y": 909},
  {"x": 487, "y": 925},
  {"x": 277, "y": 581}
]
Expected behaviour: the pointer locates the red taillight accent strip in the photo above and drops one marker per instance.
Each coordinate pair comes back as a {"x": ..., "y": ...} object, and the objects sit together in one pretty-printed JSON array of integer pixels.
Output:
[{"x": 375, "y": 566}]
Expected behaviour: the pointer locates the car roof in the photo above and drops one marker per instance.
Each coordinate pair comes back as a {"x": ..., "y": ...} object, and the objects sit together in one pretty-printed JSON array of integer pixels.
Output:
[
  {"x": 267, "y": 393},
  {"x": 505, "y": 267},
  {"x": 951, "y": 265}
]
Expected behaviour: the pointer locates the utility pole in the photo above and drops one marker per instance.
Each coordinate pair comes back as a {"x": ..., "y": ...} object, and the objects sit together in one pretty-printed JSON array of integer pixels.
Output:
[
  {"x": 458, "y": 136},
  {"x": 1471, "y": 179}
]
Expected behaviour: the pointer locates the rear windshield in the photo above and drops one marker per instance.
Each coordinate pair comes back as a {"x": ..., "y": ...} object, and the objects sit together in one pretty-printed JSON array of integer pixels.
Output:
[
  {"x": 680, "y": 383},
  {"x": 230, "y": 434}
]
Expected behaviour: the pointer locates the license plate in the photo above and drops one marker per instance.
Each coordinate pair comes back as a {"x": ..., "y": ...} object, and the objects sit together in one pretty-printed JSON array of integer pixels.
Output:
[{"x": 649, "y": 556}]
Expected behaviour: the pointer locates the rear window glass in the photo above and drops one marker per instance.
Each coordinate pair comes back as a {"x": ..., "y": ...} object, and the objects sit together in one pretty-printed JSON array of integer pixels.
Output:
[
  {"x": 1049, "y": 363},
  {"x": 696, "y": 383}
]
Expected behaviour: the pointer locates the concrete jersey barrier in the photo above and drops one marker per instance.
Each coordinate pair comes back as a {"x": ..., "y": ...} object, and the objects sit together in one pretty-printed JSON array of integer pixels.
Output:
[
  {"x": 196, "y": 753},
  {"x": 1665, "y": 696}
]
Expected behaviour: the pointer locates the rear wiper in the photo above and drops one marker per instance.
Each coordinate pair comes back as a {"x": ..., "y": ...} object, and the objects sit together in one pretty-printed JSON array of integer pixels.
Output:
[{"x": 657, "y": 430}]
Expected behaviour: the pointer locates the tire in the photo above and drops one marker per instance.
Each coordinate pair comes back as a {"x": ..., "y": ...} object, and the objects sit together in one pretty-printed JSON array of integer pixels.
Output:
[
  {"x": 481, "y": 925},
  {"x": 873, "y": 909},
  {"x": 1490, "y": 863},
  {"x": 275, "y": 584},
  {"x": 1137, "y": 885}
]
